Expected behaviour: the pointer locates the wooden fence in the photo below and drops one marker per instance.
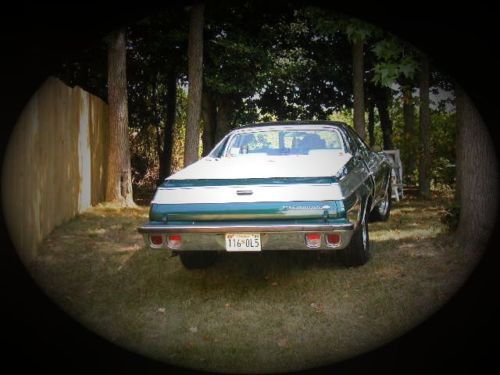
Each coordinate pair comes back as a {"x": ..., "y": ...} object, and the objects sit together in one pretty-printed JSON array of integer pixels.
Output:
[{"x": 54, "y": 164}]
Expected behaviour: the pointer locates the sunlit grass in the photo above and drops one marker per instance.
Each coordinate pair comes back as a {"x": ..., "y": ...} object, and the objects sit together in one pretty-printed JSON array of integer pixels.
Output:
[{"x": 250, "y": 312}]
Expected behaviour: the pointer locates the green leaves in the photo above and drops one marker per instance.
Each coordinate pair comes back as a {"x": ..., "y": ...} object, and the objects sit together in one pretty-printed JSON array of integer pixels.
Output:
[
  {"x": 408, "y": 67},
  {"x": 386, "y": 74},
  {"x": 388, "y": 49},
  {"x": 395, "y": 61},
  {"x": 359, "y": 31}
]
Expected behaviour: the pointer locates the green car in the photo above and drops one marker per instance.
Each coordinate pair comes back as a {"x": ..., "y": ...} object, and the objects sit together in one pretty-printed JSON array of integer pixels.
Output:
[{"x": 310, "y": 186}]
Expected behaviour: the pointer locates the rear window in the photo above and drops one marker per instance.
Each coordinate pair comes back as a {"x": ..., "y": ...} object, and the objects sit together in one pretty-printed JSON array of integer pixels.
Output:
[{"x": 283, "y": 142}]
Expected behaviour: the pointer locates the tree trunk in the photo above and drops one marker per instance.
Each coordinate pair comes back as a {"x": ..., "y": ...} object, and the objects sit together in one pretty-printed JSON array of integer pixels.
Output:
[
  {"x": 478, "y": 170},
  {"x": 425, "y": 132},
  {"x": 209, "y": 113},
  {"x": 156, "y": 117},
  {"x": 382, "y": 102},
  {"x": 195, "y": 70},
  {"x": 358, "y": 88},
  {"x": 223, "y": 119},
  {"x": 166, "y": 157},
  {"x": 458, "y": 141},
  {"x": 371, "y": 123},
  {"x": 410, "y": 155},
  {"x": 119, "y": 181}
]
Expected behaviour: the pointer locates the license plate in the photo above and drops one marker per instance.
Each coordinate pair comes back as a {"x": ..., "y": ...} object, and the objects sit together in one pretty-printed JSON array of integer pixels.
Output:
[{"x": 243, "y": 242}]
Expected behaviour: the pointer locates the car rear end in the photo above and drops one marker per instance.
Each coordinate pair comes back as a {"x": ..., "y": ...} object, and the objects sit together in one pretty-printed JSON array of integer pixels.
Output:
[{"x": 278, "y": 214}]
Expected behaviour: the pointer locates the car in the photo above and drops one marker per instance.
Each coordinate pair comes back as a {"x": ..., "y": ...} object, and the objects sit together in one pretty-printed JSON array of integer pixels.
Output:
[{"x": 297, "y": 185}]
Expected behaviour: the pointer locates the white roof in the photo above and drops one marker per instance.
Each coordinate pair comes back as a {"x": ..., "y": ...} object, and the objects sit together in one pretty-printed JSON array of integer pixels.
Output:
[{"x": 283, "y": 127}]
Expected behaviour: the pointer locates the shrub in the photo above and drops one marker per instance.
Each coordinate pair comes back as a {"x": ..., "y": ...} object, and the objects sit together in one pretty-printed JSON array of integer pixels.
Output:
[{"x": 451, "y": 216}]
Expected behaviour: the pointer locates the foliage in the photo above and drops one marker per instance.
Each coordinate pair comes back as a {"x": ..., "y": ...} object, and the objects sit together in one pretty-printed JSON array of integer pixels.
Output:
[
  {"x": 450, "y": 216},
  {"x": 311, "y": 74},
  {"x": 443, "y": 135},
  {"x": 396, "y": 62},
  {"x": 236, "y": 56},
  {"x": 359, "y": 31},
  {"x": 144, "y": 156},
  {"x": 87, "y": 70},
  {"x": 146, "y": 150},
  {"x": 344, "y": 115},
  {"x": 179, "y": 131},
  {"x": 265, "y": 62},
  {"x": 156, "y": 48}
]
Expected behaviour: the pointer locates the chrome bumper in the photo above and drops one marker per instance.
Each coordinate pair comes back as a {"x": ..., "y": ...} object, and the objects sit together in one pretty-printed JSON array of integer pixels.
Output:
[{"x": 209, "y": 237}]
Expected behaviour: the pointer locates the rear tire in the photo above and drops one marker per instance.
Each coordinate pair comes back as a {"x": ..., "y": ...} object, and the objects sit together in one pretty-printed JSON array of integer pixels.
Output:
[
  {"x": 382, "y": 210},
  {"x": 197, "y": 259},
  {"x": 357, "y": 252}
]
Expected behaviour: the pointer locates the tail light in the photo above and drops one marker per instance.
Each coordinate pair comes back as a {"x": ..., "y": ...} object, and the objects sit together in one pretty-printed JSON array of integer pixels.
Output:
[
  {"x": 333, "y": 239},
  {"x": 174, "y": 241},
  {"x": 313, "y": 240},
  {"x": 156, "y": 239}
]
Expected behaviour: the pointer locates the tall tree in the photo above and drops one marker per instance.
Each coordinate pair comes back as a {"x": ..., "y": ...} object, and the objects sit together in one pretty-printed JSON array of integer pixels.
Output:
[
  {"x": 236, "y": 60},
  {"x": 425, "y": 131},
  {"x": 223, "y": 118},
  {"x": 195, "y": 70},
  {"x": 209, "y": 114},
  {"x": 382, "y": 101},
  {"x": 409, "y": 159},
  {"x": 358, "y": 33},
  {"x": 371, "y": 123},
  {"x": 477, "y": 169},
  {"x": 157, "y": 49},
  {"x": 119, "y": 182},
  {"x": 358, "y": 87},
  {"x": 393, "y": 62},
  {"x": 171, "y": 104}
]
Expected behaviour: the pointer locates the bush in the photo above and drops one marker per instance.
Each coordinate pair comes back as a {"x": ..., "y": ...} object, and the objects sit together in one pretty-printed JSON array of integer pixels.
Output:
[{"x": 451, "y": 216}]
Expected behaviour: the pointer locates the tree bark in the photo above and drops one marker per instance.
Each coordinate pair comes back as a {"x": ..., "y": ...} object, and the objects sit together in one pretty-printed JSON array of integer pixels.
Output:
[
  {"x": 478, "y": 170},
  {"x": 382, "y": 103},
  {"x": 410, "y": 156},
  {"x": 358, "y": 89},
  {"x": 209, "y": 113},
  {"x": 166, "y": 157},
  {"x": 119, "y": 181},
  {"x": 371, "y": 123},
  {"x": 459, "y": 105},
  {"x": 156, "y": 116},
  {"x": 223, "y": 119},
  {"x": 425, "y": 131},
  {"x": 195, "y": 70}
]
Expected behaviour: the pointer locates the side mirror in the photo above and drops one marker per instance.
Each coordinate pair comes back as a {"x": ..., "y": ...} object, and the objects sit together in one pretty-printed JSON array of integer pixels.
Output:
[{"x": 376, "y": 148}]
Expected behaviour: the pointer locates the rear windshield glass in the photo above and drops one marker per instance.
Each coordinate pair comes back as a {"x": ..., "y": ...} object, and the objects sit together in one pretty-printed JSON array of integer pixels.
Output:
[{"x": 284, "y": 142}]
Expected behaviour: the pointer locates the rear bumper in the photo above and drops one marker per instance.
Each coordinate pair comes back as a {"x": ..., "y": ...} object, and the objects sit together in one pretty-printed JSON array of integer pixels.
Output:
[{"x": 274, "y": 236}]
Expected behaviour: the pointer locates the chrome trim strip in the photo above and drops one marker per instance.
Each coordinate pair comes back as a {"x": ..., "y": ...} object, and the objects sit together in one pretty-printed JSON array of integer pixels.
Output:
[{"x": 232, "y": 228}]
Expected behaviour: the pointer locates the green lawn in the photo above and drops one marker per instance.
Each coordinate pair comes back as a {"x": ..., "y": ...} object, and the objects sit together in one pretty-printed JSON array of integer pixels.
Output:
[{"x": 250, "y": 312}]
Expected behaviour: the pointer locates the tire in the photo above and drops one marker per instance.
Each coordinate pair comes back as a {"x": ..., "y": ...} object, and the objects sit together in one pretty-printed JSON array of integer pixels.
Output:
[
  {"x": 382, "y": 210},
  {"x": 357, "y": 252},
  {"x": 197, "y": 259}
]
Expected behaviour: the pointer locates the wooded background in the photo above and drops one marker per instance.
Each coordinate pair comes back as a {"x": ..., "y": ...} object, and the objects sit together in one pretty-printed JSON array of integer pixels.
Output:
[
  {"x": 274, "y": 62},
  {"x": 192, "y": 73}
]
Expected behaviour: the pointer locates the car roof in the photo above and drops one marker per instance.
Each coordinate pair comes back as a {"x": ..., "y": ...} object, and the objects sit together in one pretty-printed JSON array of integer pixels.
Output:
[{"x": 285, "y": 123}]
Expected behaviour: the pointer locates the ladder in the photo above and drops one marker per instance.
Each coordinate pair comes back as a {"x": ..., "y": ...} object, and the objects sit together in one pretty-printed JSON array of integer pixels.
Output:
[{"x": 396, "y": 174}]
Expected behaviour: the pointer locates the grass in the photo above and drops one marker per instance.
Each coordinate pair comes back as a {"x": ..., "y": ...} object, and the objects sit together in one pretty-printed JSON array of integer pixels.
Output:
[{"x": 268, "y": 312}]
